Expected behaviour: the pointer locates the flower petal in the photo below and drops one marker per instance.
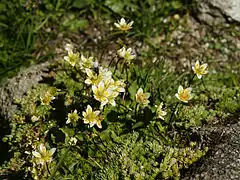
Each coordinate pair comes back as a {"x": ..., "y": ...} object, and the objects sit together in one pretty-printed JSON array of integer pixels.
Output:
[
  {"x": 52, "y": 151},
  {"x": 122, "y": 21},
  {"x": 89, "y": 109},
  {"x": 131, "y": 23},
  {"x": 42, "y": 148},
  {"x": 180, "y": 89},
  {"x": 36, "y": 154}
]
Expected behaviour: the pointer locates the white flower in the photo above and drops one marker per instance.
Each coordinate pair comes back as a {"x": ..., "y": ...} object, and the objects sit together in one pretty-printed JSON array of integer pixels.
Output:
[
  {"x": 184, "y": 95},
  {"x": 160, "y": 112},
  {"x": 200, "y": 70},
  {"x": 72, "y": 117},
  {"x": 92, "y": 117},
  {"x": 128, "y": 55},
  {"x": 72, "y": 58},
  {"x": 123, "y": 25},
  {"x": 86, "y": 62},
  {"x": 43, "y": 156},
  {"x": 100, "y": 93},
  {"x": 142, "y": 98}
]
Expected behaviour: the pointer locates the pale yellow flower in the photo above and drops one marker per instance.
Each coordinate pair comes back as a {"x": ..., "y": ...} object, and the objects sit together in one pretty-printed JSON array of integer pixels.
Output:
[
  {"x": 111, "y": 97},
  {"x": 92, "y": 117},
  {"x": 120, "y": 85},
  {"x": 43, "y": 156},
  {"x": 72, "y": 117},
  {"x": 94, "y": 78},
  {"x": 100, "y": 93},
  {"x": 72, "y": 58},
  {"x": 200, "y": 70},
  {"x": 116, "y": 86},
  {"x": 160, "y": 112},
  {"x": 86, "y": 62},
  {"x": 184, "y": 95},
  {"x": 99, "y": 120},
  {"x": 128, "y": 55},
  {"x": 47, "y": 98},
  {"x": 123, "y": 25},
  {"x": 142, "y": 98}
]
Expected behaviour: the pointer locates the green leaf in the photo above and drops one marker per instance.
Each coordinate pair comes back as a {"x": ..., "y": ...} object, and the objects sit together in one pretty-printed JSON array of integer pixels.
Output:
[
  {"x": 112, "y": 116},
  {"x": 176, "y": 4},
  {"x": 69, "y": 132},
  {"x": 79, "y": 136},
  {"x": 133, "y": 90},
  {"x": 115, "y": 137},
  {"x": 2, "y": 7},
  {"x": 81, "y": 3},
  {"x": 138, "y": 125},
  {"x": 115, "y": 5},
  {"x": 105, "y": 135}
]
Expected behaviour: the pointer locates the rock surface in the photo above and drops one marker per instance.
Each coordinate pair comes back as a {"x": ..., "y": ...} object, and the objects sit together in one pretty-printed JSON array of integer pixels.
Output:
[
  {"x": 223, "y": 163},
  {"x": 16, "y": 87},
  {"x": 218, "y": 11}
]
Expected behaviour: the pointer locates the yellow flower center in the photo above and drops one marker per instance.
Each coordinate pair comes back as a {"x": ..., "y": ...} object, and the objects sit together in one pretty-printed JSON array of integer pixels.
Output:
[{"x": 185, "y": 95}]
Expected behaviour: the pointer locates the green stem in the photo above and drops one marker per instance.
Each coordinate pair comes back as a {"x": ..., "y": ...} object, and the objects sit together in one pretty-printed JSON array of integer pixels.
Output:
[
  {"x": 136, "y": 110},
  {"x": 190, "y": 81},
  {"x": 170, "y": 120},
  {"x": 59, "y": 163},
  {"x": 48, "y": 168},
  {"x": 95, "y": 162}
]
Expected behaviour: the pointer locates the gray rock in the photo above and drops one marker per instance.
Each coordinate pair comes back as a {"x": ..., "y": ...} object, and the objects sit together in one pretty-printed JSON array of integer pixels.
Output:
[
  {"x": 16, "y": 87},
  {"x": 224, "y": 160},
  {"x": 218, "y": 11}
]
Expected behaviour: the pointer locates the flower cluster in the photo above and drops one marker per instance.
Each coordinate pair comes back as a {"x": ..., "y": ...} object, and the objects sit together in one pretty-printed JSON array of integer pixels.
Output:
[
  {"x": 74, "y": 59},
  {"x": 185, "y": 95},
  {"x": 104, "y": 88}
]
